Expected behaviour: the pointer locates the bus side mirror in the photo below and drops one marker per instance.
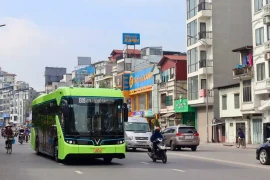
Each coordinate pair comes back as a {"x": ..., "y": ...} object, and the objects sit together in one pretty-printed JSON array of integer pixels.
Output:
[{"x": 125, "y": 112}]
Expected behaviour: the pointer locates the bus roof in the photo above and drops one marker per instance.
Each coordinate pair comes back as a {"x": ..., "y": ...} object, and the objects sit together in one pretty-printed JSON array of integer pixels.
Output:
[{"x": 74, "y": 91}]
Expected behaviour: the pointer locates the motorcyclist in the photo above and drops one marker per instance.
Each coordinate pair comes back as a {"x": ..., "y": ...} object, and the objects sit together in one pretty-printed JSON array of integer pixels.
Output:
[
  {"x": 21, "y": 133},
  {"x": 155, "y": 136},
  {"x": 8, "y": 133}
]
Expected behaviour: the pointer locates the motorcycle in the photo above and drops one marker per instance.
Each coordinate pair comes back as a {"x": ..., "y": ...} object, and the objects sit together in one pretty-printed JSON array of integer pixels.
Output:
[
  {"x": 21, "y": 138},
  {"x": 160, "y": 152},
  {"x": 26, "y": 137}
]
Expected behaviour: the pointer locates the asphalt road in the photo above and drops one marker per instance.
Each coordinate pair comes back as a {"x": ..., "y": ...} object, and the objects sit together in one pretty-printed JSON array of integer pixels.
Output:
[{"x": 209, "y": 162}]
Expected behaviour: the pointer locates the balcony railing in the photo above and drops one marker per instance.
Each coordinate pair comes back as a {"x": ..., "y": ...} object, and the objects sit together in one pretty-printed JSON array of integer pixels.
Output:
[
  {"x": 266, "y": 10},
  {"x": 210, "y": 92},
  {"x": 244, "y": 71},
  {"x": 205, "y": 35},
  {"x": 204, "y": 6},
  {"x": 205, "y": 63}
]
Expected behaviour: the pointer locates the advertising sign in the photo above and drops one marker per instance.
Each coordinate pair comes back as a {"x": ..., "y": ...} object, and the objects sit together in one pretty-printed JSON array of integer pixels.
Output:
[
  {"x": 137, "y": 114},
  {"x": 131, "y": 38},
  {"x": 181, "y": 105},
  {"x": 126, "y": 82},
  {"x": 5, "y": 115},
  {"x": 119, "y": 81},
  {"x": 141, "y": 78}
]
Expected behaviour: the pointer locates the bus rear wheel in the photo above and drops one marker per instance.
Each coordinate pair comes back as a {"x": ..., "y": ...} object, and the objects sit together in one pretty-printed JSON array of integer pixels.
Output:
[
  {"x": 37, "y": 148},
  {"x": 107, "y": 160}
]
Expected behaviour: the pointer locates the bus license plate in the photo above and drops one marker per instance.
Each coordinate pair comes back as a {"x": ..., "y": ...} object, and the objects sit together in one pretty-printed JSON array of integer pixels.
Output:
[{"x": 98, "y": 150}]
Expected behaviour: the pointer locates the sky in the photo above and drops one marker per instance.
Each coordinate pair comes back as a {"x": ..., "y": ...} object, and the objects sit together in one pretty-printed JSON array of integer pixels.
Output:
[{"x": 55, "y": 32}]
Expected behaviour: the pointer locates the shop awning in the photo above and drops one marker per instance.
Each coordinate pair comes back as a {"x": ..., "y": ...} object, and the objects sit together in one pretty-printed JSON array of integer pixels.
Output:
[{"x": 167, "y": 115}]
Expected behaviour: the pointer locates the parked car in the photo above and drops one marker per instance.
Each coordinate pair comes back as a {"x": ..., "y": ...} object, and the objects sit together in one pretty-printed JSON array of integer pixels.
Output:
[
  {"x": 181, "y": 136},
  {"x": 263, "y": 153}
]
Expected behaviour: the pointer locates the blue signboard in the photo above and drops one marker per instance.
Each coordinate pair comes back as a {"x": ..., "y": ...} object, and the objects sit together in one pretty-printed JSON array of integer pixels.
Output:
[
  {"x": 131, "y": 38},
  {"x": 141, "y": 78},
  {"x": 126, "y": 82},
  {"x": 5, "y": 115}
]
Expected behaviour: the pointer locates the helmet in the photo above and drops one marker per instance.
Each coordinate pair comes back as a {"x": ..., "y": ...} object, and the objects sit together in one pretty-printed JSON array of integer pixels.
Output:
[{"x": 157, "y": 129}]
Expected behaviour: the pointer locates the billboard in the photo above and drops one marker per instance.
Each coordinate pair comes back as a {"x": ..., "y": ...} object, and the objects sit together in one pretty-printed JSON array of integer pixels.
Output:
[
  {"x": 84, "y": 61},
  {"x": 141, "y": 78},
  {"x": 131, "y": 38},
  {"x": 119, "y": 81}
]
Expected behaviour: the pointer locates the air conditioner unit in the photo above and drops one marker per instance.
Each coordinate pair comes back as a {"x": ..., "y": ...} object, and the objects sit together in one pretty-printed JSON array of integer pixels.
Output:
[
  {"x": 267, "y": 56},
  {"x": 266, "y": 20}
]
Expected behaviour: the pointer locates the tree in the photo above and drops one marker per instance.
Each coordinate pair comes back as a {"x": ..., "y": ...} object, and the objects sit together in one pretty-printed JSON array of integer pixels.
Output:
[{"x": 103, "y": 84}]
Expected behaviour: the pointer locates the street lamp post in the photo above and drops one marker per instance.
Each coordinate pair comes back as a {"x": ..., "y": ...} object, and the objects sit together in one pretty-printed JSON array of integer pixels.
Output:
[{"x": 206, "y": 84}]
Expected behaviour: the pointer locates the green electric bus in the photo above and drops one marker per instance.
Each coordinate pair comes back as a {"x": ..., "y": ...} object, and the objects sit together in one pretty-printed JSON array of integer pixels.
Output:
[{"x": 79, "y": 122}]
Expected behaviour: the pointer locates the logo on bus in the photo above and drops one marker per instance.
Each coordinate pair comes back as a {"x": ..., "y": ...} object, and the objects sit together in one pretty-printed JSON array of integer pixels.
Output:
[{"x": 97, "y": 142}]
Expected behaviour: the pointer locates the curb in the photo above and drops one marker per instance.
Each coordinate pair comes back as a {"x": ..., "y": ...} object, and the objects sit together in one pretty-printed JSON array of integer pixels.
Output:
[{"x": 230, "y": 145}]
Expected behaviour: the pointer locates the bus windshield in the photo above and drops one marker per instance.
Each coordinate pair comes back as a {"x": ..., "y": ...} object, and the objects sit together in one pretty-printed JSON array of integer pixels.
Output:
[
  {"x": 88, "y": 116},
  {"x": 139, "y": 127}
]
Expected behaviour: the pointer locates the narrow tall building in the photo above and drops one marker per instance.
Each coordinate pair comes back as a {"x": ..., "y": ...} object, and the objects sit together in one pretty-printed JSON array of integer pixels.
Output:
[{"x": 214, "y": 28}]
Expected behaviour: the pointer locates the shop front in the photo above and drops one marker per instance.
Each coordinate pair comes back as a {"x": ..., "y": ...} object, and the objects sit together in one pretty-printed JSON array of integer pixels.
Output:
[
  {"x": 185, "y": 113},
  {"x": 140, "y": 92}
]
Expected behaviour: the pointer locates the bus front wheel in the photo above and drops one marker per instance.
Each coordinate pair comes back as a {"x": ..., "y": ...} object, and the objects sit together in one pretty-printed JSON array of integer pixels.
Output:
[
  {"x": 107, "y": 160},
  {"x": 56, "y": 152}
]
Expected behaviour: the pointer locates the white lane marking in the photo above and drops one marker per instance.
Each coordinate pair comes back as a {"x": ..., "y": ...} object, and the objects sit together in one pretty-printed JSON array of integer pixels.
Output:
[
  {"x": 78, "y": 172},
  {"x": 222, "y": 161},
  {"x": 178, "y": 170},
  {"x": 144, "y": 163},
  {"x": 61, "y": 164}
]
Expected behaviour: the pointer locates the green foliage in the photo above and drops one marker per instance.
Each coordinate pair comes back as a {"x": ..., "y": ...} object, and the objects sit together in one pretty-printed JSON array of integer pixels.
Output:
[{"x": 156, "y": 123}]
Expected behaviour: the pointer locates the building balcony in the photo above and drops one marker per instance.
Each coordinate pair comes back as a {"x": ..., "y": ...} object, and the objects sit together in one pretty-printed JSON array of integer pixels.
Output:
[
  {"x": 262, "y": 87},
  {"x": 114, "y": 69},
  {"x": 266, "y": 10},
  {"x": 199, "y": 98},
  {"x": 204, "y": 10},
  {"x": 246, "y": 72},
  {"x": 205, "y": 38},
  {"x": 206, "y": 66},
  {"x": 266, "y": 47},
  {"x": 167, "y": 86}
]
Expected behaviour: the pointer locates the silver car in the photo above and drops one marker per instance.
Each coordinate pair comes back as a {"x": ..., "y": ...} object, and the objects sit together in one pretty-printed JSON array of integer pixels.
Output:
[{"x": 181, "y": 136}]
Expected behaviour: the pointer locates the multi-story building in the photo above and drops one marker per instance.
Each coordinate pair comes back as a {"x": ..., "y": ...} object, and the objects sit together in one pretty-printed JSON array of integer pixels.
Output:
[
  {"x": 230, "y": 111},
  {"x": 258, "y": 106},
  {"x": 21, "y": 97},
  {"x": 214, "y": 28},
  {"x": 103, "y": 74},
  {"x": 172, "y": 84},
  {"x": 53, "y": 74}
]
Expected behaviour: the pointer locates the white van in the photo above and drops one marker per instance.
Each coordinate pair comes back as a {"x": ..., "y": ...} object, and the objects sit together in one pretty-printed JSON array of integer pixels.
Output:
[{"x": 137, "y": 133}]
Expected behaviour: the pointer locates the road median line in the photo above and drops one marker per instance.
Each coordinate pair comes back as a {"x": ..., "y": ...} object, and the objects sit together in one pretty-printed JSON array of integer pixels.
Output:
[{"x": 222, "y": 161}]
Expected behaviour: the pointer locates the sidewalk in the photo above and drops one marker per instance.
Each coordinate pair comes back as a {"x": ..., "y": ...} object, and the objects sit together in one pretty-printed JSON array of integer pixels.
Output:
[{"x": 248, "y": 146}]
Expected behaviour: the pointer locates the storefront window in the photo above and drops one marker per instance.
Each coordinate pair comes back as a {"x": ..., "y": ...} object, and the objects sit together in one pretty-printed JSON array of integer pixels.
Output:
[
  {"x": 134, "y": 103},
  {"x": 150, "y": 99},
  {"x": 142, "y": 101}
]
